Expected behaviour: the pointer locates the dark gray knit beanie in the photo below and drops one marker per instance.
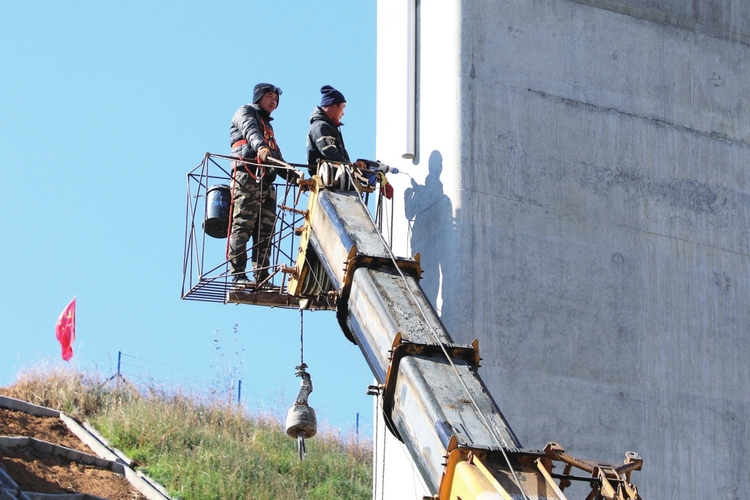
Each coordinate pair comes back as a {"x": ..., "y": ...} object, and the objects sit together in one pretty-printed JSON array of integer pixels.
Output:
[{"x": 260, "y": 90}]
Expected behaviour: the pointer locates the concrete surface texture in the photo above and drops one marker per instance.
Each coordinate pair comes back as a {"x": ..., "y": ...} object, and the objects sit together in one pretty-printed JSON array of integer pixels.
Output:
[{"x": 581, "y": 202}]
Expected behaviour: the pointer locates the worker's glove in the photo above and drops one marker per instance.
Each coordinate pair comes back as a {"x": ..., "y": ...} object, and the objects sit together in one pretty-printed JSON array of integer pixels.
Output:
[
  {"x": 372, "y": 177},
  {"x": 292, "y": 176},
  {"x": 360, "y": 165},
  {"x": 263, "y": 154}
]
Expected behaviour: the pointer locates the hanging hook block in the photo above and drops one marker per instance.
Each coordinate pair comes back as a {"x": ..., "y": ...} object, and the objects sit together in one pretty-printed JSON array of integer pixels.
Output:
[{"x": 300, "y": 419}]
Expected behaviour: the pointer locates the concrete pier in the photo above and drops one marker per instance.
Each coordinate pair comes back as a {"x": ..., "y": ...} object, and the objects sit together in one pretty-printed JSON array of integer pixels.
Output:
[{"x": 580, "y": 197}]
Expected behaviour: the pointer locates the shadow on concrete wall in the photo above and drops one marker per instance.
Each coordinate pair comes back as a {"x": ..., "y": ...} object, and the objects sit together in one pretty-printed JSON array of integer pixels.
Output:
[{"x": 430, "y": 214}]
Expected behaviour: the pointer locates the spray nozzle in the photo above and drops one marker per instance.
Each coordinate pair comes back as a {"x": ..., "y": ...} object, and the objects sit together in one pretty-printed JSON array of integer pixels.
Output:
[{"x": 378, "y": 166}]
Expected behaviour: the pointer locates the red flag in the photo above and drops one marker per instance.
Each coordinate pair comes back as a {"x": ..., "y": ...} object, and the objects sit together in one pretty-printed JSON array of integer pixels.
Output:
[{"x": 65, "y": 329}]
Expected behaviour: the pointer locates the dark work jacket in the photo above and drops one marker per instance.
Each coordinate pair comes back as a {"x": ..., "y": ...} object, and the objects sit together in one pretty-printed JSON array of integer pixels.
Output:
[
  {"x": 324, "y": 140},
  {"x": 254, "y": 125}
]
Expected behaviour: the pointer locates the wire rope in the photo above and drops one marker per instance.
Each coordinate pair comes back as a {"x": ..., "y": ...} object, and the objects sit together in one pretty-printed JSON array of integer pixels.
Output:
[
  {"x": 301, "y": 337},
  {"x": 380, "y": 441},
  {"x": 376, "y": 440}
]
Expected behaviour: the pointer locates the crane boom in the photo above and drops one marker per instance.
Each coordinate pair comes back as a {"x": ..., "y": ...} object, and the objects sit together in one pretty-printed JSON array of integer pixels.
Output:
[{"x": 433, "y": 398}]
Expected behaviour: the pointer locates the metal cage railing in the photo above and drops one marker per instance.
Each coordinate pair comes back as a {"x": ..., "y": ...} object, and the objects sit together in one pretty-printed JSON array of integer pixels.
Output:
[{"x": 206, "y": 275}]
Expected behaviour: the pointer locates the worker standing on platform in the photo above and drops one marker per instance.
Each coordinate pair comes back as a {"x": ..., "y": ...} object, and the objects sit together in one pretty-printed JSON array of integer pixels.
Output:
[
  {"x": 324, "y": 140},
  {"x": 253, "y": 193}
]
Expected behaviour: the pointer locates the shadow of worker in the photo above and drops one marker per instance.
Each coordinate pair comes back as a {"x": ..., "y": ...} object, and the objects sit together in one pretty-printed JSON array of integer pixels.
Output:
[{"x": 430, "y": 214}]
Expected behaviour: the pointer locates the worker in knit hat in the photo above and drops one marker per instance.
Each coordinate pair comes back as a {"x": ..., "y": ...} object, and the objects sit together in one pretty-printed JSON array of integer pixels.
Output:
[
  {"x": 324, "y": 140},
  {"x": 253, "y": 192}
]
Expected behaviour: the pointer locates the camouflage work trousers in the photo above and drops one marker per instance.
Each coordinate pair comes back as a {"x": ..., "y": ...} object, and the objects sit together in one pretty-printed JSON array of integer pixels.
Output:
[{"x": 253, "y": 216}]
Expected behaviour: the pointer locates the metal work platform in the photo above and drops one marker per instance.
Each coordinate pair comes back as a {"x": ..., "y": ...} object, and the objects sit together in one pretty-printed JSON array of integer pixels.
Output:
[{"x": 206, "y": 275}]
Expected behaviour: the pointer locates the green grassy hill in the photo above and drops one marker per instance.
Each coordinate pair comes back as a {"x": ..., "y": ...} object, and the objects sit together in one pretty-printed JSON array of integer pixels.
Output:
[{"x": 205, "y": 450}]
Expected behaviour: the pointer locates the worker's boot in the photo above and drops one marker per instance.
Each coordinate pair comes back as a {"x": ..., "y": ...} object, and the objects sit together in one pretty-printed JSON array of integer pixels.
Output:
[
  {"x": 240, "y": 282},
  {"x": 237, "y": 268},
  {"x": 261, "y": 276},
  {"x": 237, "y": 265}
]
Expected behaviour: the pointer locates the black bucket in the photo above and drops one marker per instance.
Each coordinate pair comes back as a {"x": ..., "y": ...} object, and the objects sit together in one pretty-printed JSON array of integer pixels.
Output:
[{"x": 216, "y": 222}]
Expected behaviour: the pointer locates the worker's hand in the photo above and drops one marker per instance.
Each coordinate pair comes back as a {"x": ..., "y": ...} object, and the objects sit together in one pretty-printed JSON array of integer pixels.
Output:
[
  {"x": 263, "y": 154},
  {"x": 293, "y": 176},
  {"x": 360, "y": 164},
  {"x": 372, "y": 177}
]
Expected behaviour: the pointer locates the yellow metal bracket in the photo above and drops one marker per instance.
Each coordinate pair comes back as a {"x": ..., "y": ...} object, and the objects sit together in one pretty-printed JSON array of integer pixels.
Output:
[
  {"x": 297, "y": 277},
  {"x": 466, "y": 476},
  {"x": 402, "y": 349}
]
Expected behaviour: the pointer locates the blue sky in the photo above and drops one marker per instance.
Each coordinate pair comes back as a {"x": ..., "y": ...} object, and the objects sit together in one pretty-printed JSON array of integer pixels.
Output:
[{"x": 104, "y": 108}]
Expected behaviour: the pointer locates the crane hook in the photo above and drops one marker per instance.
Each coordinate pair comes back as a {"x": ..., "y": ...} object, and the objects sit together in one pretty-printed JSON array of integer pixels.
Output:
[{"x": 301, "y": 422}]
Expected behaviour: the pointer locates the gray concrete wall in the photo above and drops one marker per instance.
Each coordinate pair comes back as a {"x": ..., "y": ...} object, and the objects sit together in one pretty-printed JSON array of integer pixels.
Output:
[
  {"x": 598, "y": 246},
  {"x": 720, "y": 18}
]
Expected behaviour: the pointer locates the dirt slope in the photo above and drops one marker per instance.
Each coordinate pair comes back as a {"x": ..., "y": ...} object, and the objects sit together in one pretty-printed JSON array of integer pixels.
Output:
[{"x": 54, "y": 474}]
